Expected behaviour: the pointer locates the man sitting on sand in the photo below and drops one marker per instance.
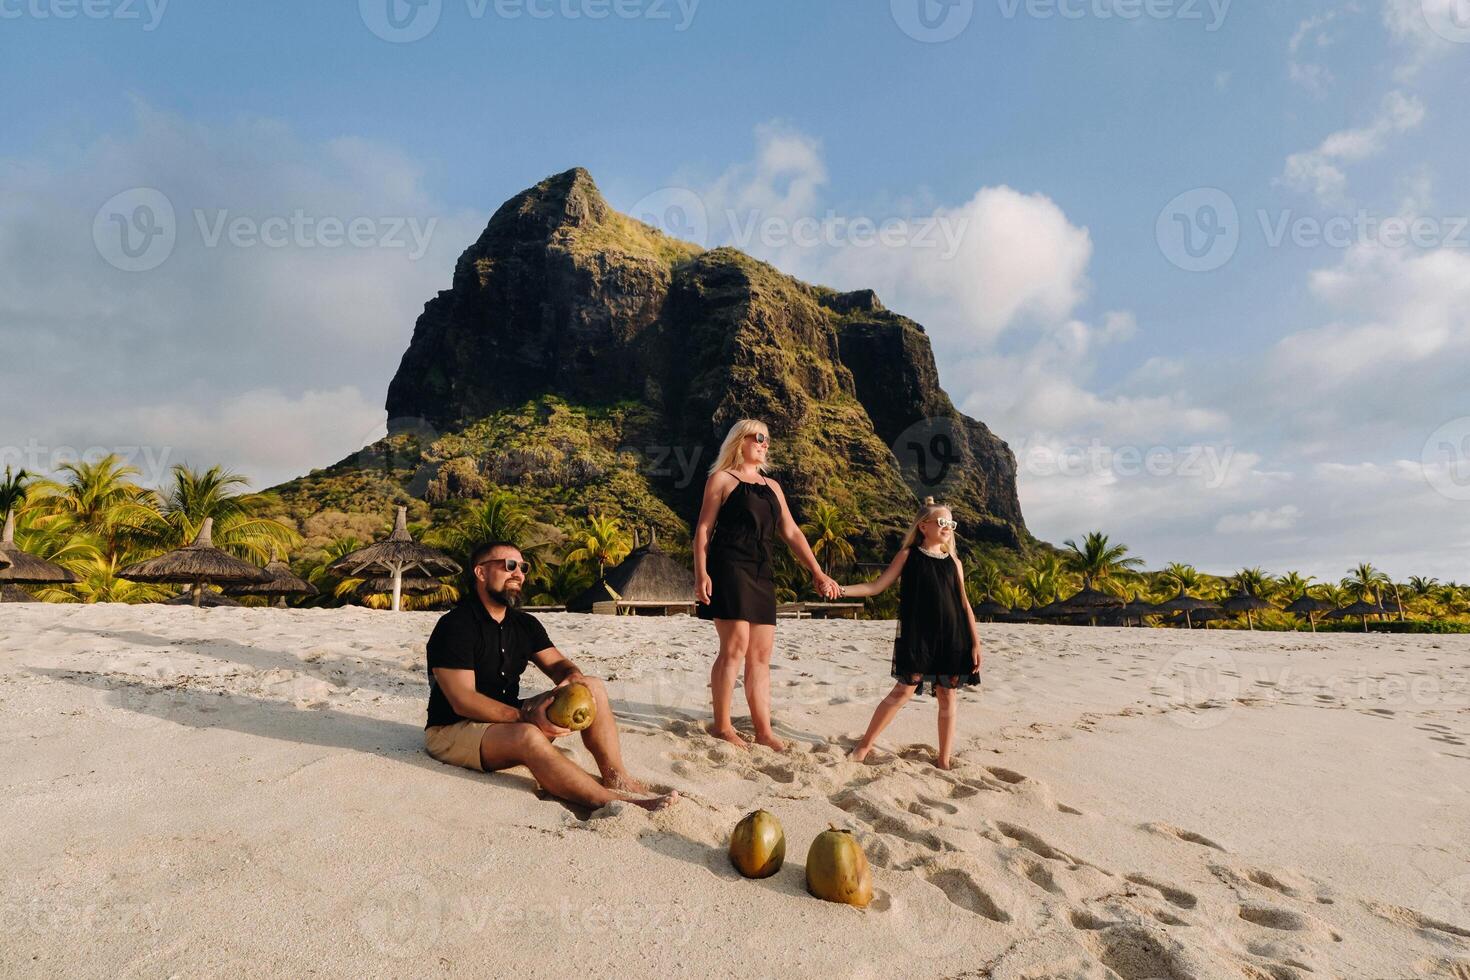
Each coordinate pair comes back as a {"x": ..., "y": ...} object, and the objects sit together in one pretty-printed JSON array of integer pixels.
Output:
[{"x": 477, "y": 719}]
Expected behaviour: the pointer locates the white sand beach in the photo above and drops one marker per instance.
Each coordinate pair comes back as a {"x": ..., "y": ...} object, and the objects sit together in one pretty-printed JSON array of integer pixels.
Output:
[{"x": 234, "y": 792}]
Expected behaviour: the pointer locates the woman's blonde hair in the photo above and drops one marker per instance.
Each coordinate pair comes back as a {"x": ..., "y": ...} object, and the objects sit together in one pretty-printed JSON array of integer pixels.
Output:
[
  {"x": 928, "y": 510},
  {"x": 732, "y": 450}
]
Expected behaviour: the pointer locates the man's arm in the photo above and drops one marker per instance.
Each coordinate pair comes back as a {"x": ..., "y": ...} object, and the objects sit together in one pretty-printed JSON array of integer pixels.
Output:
[
  {"x": 459, "y": 688},
  {"x": 556, "y": 666}
]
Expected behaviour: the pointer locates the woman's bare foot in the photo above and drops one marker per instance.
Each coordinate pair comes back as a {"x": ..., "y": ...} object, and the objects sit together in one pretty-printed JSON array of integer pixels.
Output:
[
  {"x": 770, "y": 741},
  {"x": 730, "y": 735},
  {"x": 859, "y": 753}
]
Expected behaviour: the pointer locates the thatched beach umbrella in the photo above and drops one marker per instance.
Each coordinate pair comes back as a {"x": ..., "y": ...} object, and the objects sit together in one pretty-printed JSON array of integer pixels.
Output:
[
  {"x": 397, "y": 555},
  {"x": 1361, "y": 608},
  {"x": 1308, "y": 606},
  {"x": 1244, "y": 602},
  {"x": 202, "y": 598},
  {"x": 19, "y": 568},
  {"x": 648, "y": 574},
  {"x": 197, "y": 564},
  {"x": 1138, "y": 608},
  {"x": 989, "y": 609},
  {"x": 414, "y": 585},
  {"x": 1090, "y": 602},
  {"x": 1189, "y": 606},
  {"x": 283, "y": 582}
]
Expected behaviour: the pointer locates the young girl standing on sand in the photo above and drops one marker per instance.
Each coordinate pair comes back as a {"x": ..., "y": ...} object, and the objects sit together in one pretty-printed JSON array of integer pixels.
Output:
[{"x": 938, "y": 640}]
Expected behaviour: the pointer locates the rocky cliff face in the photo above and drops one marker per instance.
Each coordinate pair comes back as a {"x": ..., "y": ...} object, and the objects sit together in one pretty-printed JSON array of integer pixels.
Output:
[{"x": 564, "y": 305}]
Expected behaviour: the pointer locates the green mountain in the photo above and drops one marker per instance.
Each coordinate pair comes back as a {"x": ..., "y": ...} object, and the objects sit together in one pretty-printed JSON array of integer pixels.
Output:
[{"x": 588, "y": 362}]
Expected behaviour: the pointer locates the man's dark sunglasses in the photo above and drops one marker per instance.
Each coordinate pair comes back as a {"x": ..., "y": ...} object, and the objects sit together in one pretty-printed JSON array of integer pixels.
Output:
[{"x": 511, "y": 564}]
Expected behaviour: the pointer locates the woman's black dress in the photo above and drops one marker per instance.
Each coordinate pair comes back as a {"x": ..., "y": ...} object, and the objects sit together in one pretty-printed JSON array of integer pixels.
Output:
[
  {"x": 743, "y": 583},
  {"x": 934, "y": 643}
]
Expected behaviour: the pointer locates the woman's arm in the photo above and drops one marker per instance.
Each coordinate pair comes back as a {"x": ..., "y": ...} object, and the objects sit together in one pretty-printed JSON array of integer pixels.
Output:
[
  {"x": 969, "y": 610},
  {"x": 791, "y": 533},
  {"x": 709, "y": 509},
  {"x": 880, "y": 584}
]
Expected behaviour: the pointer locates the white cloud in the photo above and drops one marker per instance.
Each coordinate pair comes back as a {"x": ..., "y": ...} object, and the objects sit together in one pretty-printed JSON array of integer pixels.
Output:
[
  {"x": 217, "y": 338},
  {"x": 1320, "y": 171},
  {"x": 1258, "y": 521},
  {"x": 1311, "y": 38}
]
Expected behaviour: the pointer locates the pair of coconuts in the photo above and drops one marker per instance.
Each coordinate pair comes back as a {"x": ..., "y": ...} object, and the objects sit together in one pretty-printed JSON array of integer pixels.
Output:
[
  {"x": 836, "y": 867},
  {"x": 572, "y": 707}
]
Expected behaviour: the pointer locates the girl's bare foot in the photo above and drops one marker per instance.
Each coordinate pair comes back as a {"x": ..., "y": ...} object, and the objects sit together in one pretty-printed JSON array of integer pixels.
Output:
[
  {"x": 860, "y": 753},
  {"x": 730, "y": 735},
  {"x": 770, "y": 741},
  {"x": 944, "y": 763}
]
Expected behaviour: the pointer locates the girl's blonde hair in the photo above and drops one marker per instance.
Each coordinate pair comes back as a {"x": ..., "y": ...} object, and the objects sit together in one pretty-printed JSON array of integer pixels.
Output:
[
  {"x": 732, "y": 450},
  {"x": 928, "y": 510}
]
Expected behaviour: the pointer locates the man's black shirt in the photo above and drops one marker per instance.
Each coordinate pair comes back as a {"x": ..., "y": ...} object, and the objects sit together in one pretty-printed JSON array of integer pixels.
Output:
[{"x": 467, "y": 638}]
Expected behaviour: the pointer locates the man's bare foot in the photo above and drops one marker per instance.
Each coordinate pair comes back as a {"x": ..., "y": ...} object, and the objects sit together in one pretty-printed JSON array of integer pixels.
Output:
[
  {"x": 770, "y": 741},
  {"x": 859, "y": 753},
  {"x": 655, "y": 803},
  {"x": 624, "y": 783},
  {"x": 730, "y": 735}
]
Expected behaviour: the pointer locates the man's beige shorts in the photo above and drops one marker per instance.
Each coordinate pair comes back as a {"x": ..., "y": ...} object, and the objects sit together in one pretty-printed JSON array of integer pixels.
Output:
[{"x": 457, "y": 744}]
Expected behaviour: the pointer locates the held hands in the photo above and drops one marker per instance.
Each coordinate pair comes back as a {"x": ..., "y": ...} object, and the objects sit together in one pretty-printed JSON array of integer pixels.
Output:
[
  {"x": 826, "y": 586},
  {"x": 534, "y": 712}
]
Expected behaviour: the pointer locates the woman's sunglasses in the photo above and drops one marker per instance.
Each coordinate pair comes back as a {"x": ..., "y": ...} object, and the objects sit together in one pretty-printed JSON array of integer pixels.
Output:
[
  {"x": 759, "y": 437},
  {"x": 510, "y": 564}
]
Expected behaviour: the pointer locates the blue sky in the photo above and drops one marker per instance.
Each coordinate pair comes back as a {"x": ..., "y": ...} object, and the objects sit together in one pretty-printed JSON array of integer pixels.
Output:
[{"x": 1304, "y": 402}]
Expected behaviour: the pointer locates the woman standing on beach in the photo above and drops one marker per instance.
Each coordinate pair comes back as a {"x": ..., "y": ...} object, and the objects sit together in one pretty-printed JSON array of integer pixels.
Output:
[{"x": 734, "y": 582}]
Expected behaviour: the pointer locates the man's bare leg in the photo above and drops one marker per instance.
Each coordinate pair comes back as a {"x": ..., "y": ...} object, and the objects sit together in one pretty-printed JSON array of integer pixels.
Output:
[
  {"x": 601, "y": 739},
  {"x": 734, "y": 638},
  {"x": 519, "y": 744}
]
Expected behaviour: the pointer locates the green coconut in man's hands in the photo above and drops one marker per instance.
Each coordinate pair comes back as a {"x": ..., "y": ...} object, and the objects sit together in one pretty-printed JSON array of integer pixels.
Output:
[{"x": 572, "y": 707}]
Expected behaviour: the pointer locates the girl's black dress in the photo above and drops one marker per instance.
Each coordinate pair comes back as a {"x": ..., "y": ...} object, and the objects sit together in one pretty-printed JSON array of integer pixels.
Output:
[
  {"x": 743, "y": 583},
  {"x": 934, "y": 643}
]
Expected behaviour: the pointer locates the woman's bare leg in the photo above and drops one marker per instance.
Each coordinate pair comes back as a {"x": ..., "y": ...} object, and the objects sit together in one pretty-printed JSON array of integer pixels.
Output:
[
  {"x": 758, "y": 684},
  {"x": 734, "y": 642},
  {"x": 886, "y": 711},
  {"x": 948, "y": 699}
]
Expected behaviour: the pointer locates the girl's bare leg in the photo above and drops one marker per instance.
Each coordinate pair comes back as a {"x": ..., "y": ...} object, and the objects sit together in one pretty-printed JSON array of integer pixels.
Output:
[
  {"x": 886, "y": 711},
  {"x": 734, "y": 642},
  {"x": 758, "y": 684},
  {"x": 948, "y": 699}
]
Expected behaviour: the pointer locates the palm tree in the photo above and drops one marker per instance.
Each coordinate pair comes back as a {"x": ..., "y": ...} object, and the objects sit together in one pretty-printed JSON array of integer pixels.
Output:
[
  {"x": 1252, "y": 581},
  {"x": 100, "y": 498},
  {"x": 1096, "y": 560},
  {"x": 1293, "y": 585},
  {"x": 1009, "y": 595},
  {"x": 828, "y": 530},
  {"x": 983, "y": 581},
  {"x": 1180, "y": 578},
  {"x": 192, "y": 496},
  {"x": 1419, "y": 586},
  {"x": 1044, "y": 580},
  {"x": 1365, "y": 582},
  {"x": 601, "y": 542},
  {"x": 499, "y": 516},
  {"x": 13, "y": 492}
]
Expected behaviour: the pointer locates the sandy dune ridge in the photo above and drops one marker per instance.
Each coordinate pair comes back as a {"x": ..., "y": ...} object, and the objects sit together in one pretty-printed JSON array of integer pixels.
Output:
[{"x": 239, "y": 792}]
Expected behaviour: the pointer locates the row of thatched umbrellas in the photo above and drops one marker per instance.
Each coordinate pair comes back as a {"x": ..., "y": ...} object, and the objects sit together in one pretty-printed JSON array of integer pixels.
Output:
[
  {"x": 398, "y": 565},
  {"x": 1092, "y": 603}
]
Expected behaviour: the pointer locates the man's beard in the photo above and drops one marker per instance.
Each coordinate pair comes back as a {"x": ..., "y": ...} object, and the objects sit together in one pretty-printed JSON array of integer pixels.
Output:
[{"x": 510, "y": 599}]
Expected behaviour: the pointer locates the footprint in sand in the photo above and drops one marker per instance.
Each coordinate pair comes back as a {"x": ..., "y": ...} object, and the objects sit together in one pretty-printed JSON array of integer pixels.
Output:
[
  {"x": 1188, "y": 836},
  {"x": 1177, "y": 897},
  {"x": 961, "y": 889}
]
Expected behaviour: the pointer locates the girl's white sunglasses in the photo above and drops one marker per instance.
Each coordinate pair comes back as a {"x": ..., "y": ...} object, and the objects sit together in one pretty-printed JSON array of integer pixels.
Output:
[{"x": 948, "y": 523}]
